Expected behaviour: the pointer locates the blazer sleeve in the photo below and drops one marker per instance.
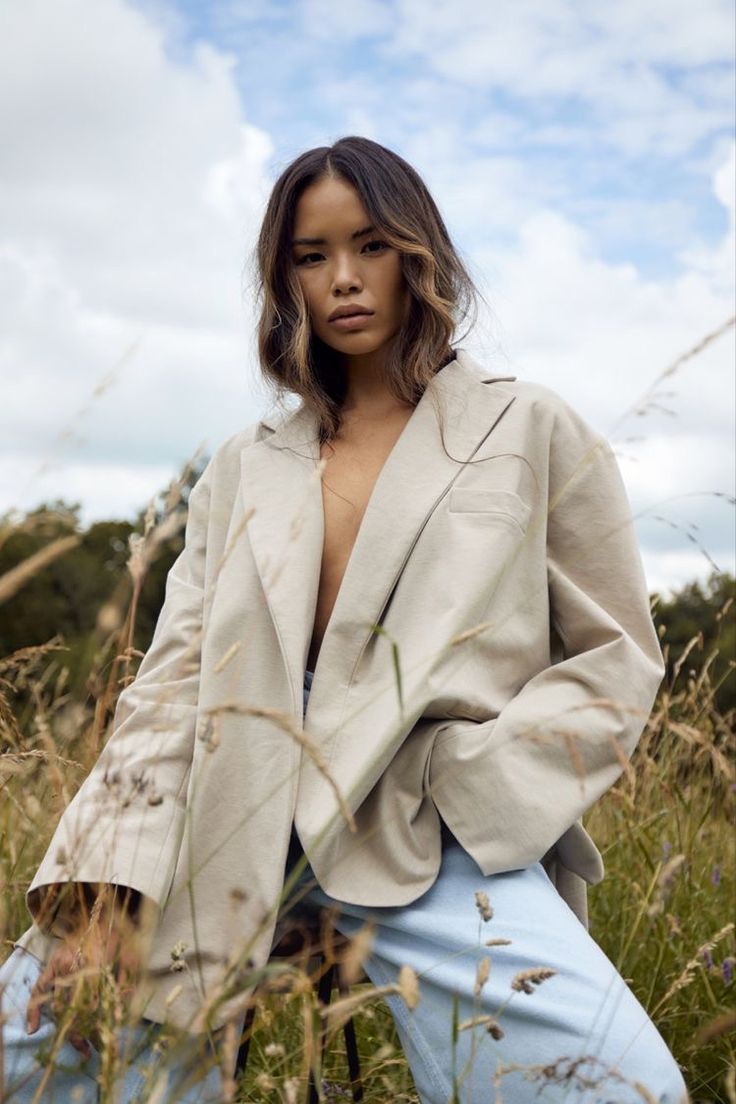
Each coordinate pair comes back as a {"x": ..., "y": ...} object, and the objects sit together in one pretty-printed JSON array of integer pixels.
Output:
[
  {"x": 125, "y": 823},
  {"x": 513, "y": 786}
]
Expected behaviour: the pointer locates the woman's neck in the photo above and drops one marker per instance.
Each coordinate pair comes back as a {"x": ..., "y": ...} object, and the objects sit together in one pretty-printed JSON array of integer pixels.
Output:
[{"x": 366, "y": 391}]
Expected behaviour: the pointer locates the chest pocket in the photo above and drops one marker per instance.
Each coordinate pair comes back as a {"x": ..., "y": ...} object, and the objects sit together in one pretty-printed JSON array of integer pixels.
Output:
[{"x": 494, "y": 503}]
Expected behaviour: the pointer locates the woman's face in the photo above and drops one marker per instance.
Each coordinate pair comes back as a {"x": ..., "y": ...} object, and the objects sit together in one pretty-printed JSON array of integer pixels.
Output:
[{"x": 346, "y": 264}]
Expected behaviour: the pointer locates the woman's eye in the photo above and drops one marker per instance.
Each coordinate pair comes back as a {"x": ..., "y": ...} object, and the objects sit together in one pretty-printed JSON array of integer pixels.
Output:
[{"x": 309, "y": 257}]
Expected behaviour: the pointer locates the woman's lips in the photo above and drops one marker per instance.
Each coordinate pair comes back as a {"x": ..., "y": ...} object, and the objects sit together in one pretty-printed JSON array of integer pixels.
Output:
[{"x": 351, "y": 321}]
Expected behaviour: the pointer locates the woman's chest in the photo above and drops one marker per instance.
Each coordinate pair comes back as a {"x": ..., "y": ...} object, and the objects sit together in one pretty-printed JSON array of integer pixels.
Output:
[{"x": 351, "y": 470}]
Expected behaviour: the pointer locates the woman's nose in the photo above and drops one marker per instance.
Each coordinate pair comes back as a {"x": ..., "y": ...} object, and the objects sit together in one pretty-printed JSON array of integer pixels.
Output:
[{"x": 345, "y": 277}]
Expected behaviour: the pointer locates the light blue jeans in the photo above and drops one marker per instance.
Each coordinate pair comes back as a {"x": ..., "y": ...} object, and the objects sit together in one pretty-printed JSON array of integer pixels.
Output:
[{"x": 579, "y": 1036}]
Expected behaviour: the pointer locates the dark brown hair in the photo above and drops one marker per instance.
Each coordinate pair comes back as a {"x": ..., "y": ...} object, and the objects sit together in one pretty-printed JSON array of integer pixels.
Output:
[{"x": 399, "y": 205}]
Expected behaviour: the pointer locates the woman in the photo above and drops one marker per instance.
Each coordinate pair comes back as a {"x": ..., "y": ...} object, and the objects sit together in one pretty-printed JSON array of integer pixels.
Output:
[{"x": 434, "y": 569}]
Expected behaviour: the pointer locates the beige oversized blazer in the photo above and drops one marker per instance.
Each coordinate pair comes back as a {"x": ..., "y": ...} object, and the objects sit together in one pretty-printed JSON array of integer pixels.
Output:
[{"x": 490, "y": 658}]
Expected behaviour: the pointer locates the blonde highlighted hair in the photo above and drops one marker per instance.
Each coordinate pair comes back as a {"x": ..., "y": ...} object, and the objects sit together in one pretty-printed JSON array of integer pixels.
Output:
[{"x": 399, "y": 205}]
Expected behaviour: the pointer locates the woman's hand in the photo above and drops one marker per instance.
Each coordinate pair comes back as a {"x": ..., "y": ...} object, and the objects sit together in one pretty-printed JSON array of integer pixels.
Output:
[{"x": 75, "y": 970}]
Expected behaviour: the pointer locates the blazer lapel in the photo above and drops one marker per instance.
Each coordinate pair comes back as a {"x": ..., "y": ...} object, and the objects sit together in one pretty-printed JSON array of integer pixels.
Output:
[{"x": 282, "y": 483}]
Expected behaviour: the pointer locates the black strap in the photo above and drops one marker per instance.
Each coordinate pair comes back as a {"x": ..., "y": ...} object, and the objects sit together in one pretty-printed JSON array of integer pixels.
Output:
[{"x": 351, "y": 1046}]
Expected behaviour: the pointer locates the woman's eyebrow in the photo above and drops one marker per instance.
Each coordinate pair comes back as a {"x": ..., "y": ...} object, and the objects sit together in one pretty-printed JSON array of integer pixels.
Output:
[{"x": 323, "y": 241}]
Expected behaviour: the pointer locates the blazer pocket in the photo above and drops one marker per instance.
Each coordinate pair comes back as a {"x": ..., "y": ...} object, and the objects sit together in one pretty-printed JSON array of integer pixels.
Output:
[{"x": 483, "y": 500}]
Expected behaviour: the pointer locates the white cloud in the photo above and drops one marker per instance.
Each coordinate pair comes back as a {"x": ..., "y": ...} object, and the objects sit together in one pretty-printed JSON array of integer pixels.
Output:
[
  {"x": 716, "y": 265},
  {"x": 621, "y": 62},
  {"x": 236, "y": 187},
  {"x": 105, "y": 491},
  {"x": 131, "y": 193},
  {"x": 667, "y": 572},
  {"x": 344, "y": 23},
  {"x": 568, "y": 315}
]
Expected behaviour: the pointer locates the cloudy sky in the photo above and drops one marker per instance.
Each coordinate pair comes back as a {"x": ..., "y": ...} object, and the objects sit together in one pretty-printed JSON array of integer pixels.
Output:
[{"x": 582, "y": 155}]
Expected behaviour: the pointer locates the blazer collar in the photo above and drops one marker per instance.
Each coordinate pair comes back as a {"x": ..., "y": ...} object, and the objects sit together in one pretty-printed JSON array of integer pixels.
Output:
[{"x": 281, "y": 484}]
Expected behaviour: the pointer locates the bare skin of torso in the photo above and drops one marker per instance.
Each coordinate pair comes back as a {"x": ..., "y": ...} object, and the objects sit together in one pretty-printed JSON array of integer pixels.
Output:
[{"x": 353, "y": 463}]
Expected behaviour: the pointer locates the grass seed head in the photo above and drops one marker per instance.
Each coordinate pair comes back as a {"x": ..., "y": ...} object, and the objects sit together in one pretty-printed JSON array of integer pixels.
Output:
[
  {"x": 482, "y": 973},
  {"x": 483, "y": 905},
  {"x": 409, "y": 986},
  {"x": 524, "y": 981}
]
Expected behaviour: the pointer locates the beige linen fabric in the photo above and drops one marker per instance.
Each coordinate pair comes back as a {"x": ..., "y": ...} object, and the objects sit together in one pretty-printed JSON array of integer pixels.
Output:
[{"x": 490, "y": 658}]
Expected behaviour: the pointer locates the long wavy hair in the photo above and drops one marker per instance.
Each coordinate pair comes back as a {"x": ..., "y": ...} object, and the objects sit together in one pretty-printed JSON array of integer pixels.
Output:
[{"x": 442, "y": 294}]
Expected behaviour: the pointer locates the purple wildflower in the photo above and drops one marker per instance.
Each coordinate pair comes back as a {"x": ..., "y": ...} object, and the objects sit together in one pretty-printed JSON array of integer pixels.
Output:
[
  {"x": 708, "y": 960},
  {"x": 716, "y": 876},
  {"x": 666, "y": 848},
  {"x": 727, "y": 971}
]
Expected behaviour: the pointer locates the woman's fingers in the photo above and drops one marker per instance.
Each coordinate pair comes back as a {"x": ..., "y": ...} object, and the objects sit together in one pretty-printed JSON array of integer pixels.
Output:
[
  {"x": 80, "y": 1043},
  {"x": 57, "y": 986},
  {"x": 53, "y": 988}
]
